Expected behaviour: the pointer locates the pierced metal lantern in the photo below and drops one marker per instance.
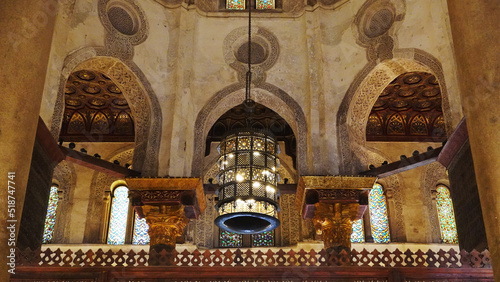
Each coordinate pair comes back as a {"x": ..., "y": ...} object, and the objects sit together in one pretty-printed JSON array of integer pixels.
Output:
[{"x": 248, "y": 181}]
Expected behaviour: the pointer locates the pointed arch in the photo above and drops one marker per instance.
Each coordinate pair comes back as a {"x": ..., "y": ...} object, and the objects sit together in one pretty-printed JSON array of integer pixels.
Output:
[
  {"x": 361, "y": 96},
  {"x": 266, "y": 94},
  {"x": 137, "y": 91}
]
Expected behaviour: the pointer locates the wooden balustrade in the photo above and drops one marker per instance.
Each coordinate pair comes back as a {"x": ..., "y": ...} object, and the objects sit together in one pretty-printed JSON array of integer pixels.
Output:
[{"x": 256, "y": 258}]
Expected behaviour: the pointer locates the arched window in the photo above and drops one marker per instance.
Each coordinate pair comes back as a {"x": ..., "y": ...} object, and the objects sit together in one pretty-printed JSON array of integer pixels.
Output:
[
  {"x": 50, "y": 218},
  {"x": 141, "y": 236},
  {"x": 378, "y": 215},
  {"x": 235, "y": 240},
  {"x": 119, "y": 221},
  {"x": 446, "y": 215},
  {"x": 264, "y": 239},
  {"x": 118, "y": 218},
  {"x": 230, "y": 239},
  {"x": 242, "y": 4},
  {"x": 358, "y": 232}
]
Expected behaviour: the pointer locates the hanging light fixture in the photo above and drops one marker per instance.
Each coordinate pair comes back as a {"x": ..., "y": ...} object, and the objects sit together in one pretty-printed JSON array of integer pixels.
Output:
[{"x": 248, "y": 177}]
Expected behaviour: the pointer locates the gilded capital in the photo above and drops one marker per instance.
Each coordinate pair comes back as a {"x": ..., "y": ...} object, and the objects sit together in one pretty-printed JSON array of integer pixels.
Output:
[
  {"x": 166, "y": 223},
  {"x": 334, "y": 223}
]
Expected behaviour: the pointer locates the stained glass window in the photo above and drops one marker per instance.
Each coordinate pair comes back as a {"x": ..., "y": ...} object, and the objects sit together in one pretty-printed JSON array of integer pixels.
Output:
[
  {"x": 264, "y": 239},
  {"x": 446, "y": 215},
  {"x": 265, "y": 4},
  {"x": 118, "y": 219},
  {"x": 358, "y": 232},
  {"x": 235, "y": 4},
  {"x": 141, "y": 236},
  {"x": 378, "y": 215},
  {"x": 230, "y": 239},
  {"x": 50, "y": 218}
]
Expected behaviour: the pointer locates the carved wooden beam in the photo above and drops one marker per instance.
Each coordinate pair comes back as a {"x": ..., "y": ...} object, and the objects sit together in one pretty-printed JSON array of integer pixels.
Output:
[
  {"x": 443, "y": 155},
  {"x": 457, "y": 139},
  {"x": 47, "y": 142},
  {"x": 404, "y": 164},
  {"x": 97, "y": 164}
]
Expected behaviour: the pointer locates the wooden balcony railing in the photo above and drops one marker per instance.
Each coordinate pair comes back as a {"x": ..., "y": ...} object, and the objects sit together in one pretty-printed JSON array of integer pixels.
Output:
[{"x": 256, "y": 258}]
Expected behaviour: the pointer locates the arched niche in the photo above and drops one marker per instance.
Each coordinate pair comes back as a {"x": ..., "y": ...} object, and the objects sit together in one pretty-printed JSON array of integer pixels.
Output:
[
  {"x": 266, "y": 94},
  {"x": 136, "y": 90},
  {"x": 355, "y": 109}
]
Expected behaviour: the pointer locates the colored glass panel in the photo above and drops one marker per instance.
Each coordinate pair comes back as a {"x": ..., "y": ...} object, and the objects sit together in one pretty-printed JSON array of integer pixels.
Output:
[
  {"x": 230, "y": 239},
  {"x": 141, "y": 236},
  {"x": 50, "y": 218},
  {"x": 118, "y": 219},
  {"x": 264, "y": 239},
  {"x": 358, "y": 232},
  {"x": 235, "y": 4},
  {"x": 446, "y": 216},
  {"x": 265, "y": 4},
  {"x": 378, "y": 215}
]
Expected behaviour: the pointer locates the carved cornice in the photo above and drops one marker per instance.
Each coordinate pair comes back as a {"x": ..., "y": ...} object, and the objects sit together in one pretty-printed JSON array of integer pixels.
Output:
[
  {"x": 333, "y": 188},
  {"x": 185, "y": 191}
]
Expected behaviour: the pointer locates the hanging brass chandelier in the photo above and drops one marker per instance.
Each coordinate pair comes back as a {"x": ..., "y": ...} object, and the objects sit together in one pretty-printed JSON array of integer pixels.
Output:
[{"x": 248, "y": 177}]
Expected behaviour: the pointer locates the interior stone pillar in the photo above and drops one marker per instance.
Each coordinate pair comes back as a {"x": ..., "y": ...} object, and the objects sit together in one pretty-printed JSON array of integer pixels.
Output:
[
  {"x": 27, "y": 29},
  {"x": 474, "y": 26}
]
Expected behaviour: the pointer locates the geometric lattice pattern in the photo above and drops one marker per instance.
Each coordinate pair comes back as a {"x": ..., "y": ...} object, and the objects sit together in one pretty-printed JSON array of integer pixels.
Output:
[
  {"x": 378, "y": 215},
  {"x": 446, "y": 216},
  {"x": 118, "y": 219},
  {"x": 264, "y": 239},
  {"x": 50, "y": 218},
  {"x": 235, "y": 4},
  {"x": 141, "y": 236},
  {"x": 230, "y": 239},
  {"x": 265, "y": 4},
  {"x": 358, "y": 232}
]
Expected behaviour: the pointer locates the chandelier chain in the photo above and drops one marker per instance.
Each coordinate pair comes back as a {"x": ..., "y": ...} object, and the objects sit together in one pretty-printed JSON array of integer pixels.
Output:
[{"x": 249, "y": 71}]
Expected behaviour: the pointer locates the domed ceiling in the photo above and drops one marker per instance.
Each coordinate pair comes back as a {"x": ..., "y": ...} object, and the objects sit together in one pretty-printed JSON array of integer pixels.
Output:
[
  {"x": 409, "y": 109},
  {"x": 95, "y": 110}
]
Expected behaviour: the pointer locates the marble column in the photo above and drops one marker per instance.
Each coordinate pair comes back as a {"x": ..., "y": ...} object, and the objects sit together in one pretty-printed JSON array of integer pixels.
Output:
[
  {"x": 27, "y": 28},
  {"x": 476, "y": 37}
]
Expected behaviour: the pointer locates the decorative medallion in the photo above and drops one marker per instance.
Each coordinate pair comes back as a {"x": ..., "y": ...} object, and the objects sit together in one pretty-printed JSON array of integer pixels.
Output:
[{"x": 124, "y": 20}]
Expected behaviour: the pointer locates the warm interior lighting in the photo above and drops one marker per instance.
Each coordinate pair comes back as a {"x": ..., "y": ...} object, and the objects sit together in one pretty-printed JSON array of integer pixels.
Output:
[{"x": 248, "y": 180}]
